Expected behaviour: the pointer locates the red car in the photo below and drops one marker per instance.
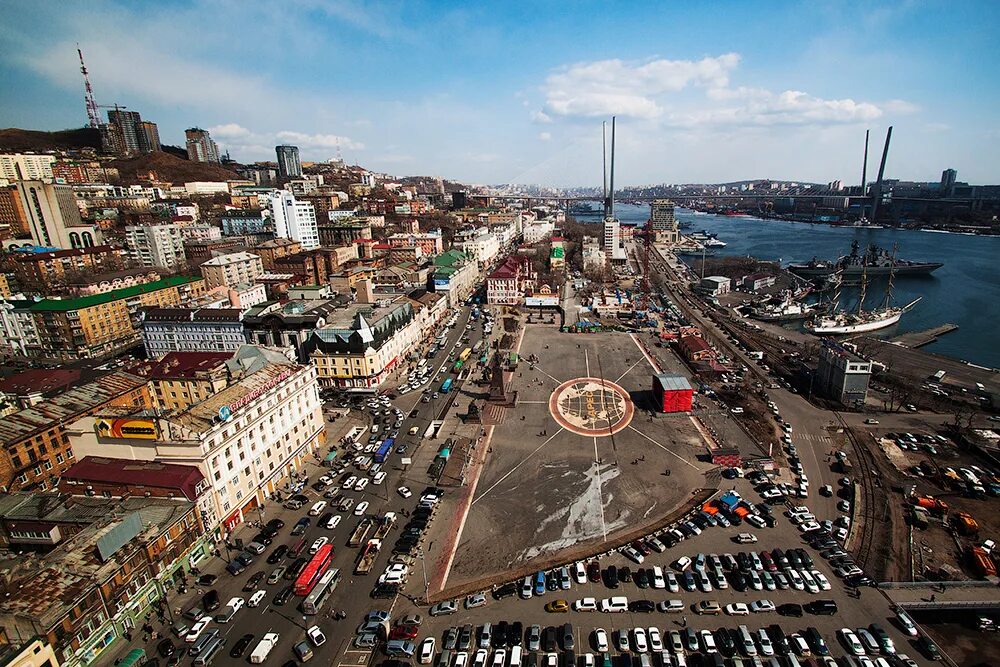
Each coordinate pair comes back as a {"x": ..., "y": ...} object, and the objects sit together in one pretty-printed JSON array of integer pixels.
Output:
[
  {"x": 768, "y": 561},
  {"x": 641, "y": 547},
  {"x": 594, "y": 571},
  {"x": 404, "y": 632}
]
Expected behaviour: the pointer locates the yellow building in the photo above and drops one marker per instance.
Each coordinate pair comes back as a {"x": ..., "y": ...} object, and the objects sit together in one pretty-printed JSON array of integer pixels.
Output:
[
  {"x": 182, "y": 379},
  {"x": 101, "y": 324}
]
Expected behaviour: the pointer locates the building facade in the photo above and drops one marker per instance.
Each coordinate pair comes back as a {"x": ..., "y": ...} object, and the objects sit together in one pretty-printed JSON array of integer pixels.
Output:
[
  {"x": 45, "y": 272},
  {"x": 166, "y": 330},
  {"x": 843, "y": 375},
  {"x": 156, "y": 245},
  {"x": 246, "y": 221},
  {"x": 232, "y": 269},
  {"x": 200, "y": 146},
  {"x": 294, "y": 219},
  {"x": 52, "y": 215},
  {"x": 665, "y": 227},
  {"x": 455, "y": 275},
  {"x": 26, "y": 167},
  {"x": 508, "y": 284},
  {"x": 289, "y": 165},
  {"x": 430, "y": 243}
]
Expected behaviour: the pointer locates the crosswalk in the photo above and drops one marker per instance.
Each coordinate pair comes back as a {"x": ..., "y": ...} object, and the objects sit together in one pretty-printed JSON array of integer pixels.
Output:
[{"x": 813, "y": 437}]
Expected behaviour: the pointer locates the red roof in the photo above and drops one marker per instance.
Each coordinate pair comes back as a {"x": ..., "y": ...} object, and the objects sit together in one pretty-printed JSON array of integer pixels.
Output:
[
  {"x": 136, "y": 473},
  {"x": 74, "y": 252},
  {"x": 695, "y": 344},
  {"x": 40, "y": 380},
  {"x": 181, "y": 365},
  {"x": 511, "y": 266}
]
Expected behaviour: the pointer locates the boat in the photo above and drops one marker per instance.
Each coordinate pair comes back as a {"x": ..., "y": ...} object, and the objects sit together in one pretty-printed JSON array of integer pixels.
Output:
[
  {"x": 842, "y": 322},
  {"x": 786, "y": 311},
  {"x": 875, "y": 261},
  {"x": 715, "y": 243}
]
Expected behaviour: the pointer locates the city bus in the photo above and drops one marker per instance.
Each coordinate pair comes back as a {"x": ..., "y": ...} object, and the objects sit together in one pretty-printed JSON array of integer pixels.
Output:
[
  {"x": 466, "y": 353},
  {"x": 446, "y": 386},
  {"x": 384, "y": 450},
  {"x": 314, "y": 570},
  {"x": 324, "y": 587}
]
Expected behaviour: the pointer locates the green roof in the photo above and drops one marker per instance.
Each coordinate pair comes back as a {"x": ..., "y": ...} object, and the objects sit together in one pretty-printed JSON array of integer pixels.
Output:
[
  {"x": 450, "y": 258},
  {"x": 114, "y": 295},
  {"x": 557, "y": 251}
]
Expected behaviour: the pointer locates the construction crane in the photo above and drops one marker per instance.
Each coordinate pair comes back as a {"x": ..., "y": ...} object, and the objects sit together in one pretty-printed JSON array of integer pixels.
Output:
[{"x": 92, "y": 114}]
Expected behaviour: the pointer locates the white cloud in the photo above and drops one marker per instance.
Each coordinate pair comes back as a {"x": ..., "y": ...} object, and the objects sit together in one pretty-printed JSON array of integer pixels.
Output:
[
  {"x": 791, "y": 107},
  {"x": 228, "y": 131},
  {"x": 540, "y": 116},
  {"x": 545, "y": 136},
  {"x": 900, "y": 107},
  {"x": 319, "y": 141},
  {"x": 630, "y": 89}
]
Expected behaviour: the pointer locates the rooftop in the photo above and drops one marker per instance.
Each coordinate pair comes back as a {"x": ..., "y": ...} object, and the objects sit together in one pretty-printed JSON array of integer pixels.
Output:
[
  {"x": 138, "y": 473},
  {"x": 672, "y": 382},
  {"x": 231, "y": 258},
  {"x": 66, "y": 406},
  {"x": 39, "y": 380},
  {"x": 62, "y": 305},
  {"x": 57, "y": 254},
  {"x": 181, "y": 365},
  {"x": 192, "y": 314}
]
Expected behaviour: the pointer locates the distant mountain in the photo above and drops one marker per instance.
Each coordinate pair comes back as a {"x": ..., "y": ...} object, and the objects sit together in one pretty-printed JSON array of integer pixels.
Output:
[
  {"x": 169, "y": 168},
  {"x": 16, "y": 139}
]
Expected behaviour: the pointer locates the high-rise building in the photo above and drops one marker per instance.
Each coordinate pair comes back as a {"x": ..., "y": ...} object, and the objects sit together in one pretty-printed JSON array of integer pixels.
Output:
[
  {"x": 948, "y": 178},
  {"x": 289, "y": 165},
  {"x": 612, "y": 234},
  {"x": 156, "y": 245},
  {"x": 294, "y": 219},
  {"x": 26, "y": 166},
  {"x": 149, "y": 137},
  {"x": 50, "y": 210},
  {"x": 200, "y": 146},
  {"x": 664, "y": 223},
  {"x": 129, "y": 129},
  {"x": 232, "y": 269},
  {"x": 13, "y": 219}
]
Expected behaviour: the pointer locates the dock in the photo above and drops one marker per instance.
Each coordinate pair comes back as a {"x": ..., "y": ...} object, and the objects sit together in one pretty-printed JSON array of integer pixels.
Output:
[{"x": 915, "y": 339}]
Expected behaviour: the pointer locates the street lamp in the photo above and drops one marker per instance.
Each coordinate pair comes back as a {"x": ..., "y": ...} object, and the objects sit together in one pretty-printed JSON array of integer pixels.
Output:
[{"x": 423, "y": 568}]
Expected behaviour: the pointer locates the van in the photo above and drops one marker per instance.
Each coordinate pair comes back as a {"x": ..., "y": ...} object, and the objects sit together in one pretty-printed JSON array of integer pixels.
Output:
[
  {"x": 515, "y": 656},
  {"x": 203, "y": 642},
  {"x": 613, "y": 605},
  {"x": 211, "y": 650},
  {"x": 485, "y": 635},
  {"x": 746, "y": 640},
  {"x": 746, "y": 538},
  {"x": 256, "y": 598}
]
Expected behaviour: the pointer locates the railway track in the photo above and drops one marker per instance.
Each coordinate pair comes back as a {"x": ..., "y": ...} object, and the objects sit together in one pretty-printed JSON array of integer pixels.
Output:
[{"x": 866, "y": 500}]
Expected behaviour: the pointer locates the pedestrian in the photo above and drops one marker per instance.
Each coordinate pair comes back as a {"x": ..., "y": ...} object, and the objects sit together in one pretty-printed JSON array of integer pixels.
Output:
[
  {"x": 684, "y": 621},
  {"x": 933, "y": 597}
]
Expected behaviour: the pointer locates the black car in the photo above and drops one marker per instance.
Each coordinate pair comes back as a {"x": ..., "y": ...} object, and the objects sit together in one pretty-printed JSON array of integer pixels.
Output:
[
  {"x": 739, "y": 581},
  {"x": 210, "y": 601},
  {"x": 793, "y": 558},
  {"x": 263, "y": 538},
  {"x": 242, "y": 645},
  {"x": 549, "y": 639},
  {"x": 500, "y": 635},
  {"x": 507, "y": 590},
  {"x": 385, "y": 591},
  {"x": 301, "y": 526},
  {"x": 790, "y": 609},
  {"x": 778, "y": 639},
  {"x": 641, "y": 578},
  {"x": 252, "y": 582},
  {"x": 610, "y": 577},
  {"x": 244, "y": 558},
  {"x": 594, "y": 571},
  {"x": 625, "y": 574},
  {"x": 281, "y": 598},
  {"x": 207, "y": 580},
  {"x": 816, "y": 641},
  {"x": 515, "y": 634},
  {"x": 642, "y": 606},
  {"x": 804, "y": 557},
  {"x": 295, "y": 568},
  {"x": 856, "y": 580},
  {"x": 821, "y": 607},
  {"x": 277, "y": 554},
  {"x": 551, "y": 581},
  {"x": 166, "y": 648},
  {"x": 725, "y": 642}
]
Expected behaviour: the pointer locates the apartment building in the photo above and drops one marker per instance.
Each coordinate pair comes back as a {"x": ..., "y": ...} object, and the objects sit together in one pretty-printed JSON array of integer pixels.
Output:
[
  {"x": 46, "y": 272},
  {"x": 237, "y": 222},
  {"x": 245, "y": 439},
  {"x": 270, "y": 251},
  {"x": 483, "y": 248},
  {"x": 26, "y": 167},
  {"x": 166, "y": 330},
  {"x": 360, "y": 346},
  {"x": 156, "y": 245},
  {"x": 455, "y": 275},
  {"x": 180, "y": 379},
  {"x": 99, "y": 325},
  {"x": 35, "y": 448},
  {"x": 230, "y": 270},
  {"x": 510, "y": 281},
  {"x": 430, "y": 243},
  {"x": 294, "y": 219}
]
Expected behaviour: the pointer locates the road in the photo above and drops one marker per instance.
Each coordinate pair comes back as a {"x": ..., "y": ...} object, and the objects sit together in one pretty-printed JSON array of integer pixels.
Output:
[{"x": 352, "y": 594}]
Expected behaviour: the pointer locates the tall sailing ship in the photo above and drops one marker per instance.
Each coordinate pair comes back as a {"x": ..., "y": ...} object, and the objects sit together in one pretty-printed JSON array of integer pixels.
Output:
[{"x": 841, "y": 322}]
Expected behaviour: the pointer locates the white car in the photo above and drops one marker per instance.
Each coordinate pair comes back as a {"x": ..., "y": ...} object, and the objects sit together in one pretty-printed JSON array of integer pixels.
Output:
[
  {"x": 394, "y": 574},
  {"x": 360, "y": 509},
  {"x": 332, "y": 522},
  {"x": 639, "y": 641},
  {"x": 601, "y": 640},
  {"x": 426, "y": 653},
  {"x": 580, "y": 573},
  {"x": 318, "y": 544},
  {"x": 196, "y": 630},
  {"x": 655, "y": 640},
  {"x": 350, "y": 482},
  {"x": 404, "y": 491},
  {"x": 379, "y": 477},
  {"x": 585, "y": 604},
  {"x": 809, "y": 525},
  {"x": 737, "y": 609},
  {"x": 762, "y": 606},
  {"x": 851, "y": 641},
  {"x": 671, "y": 606},
  {"x": 658, "y": 581},
  {"x": 361, "y": 484},
  {"x": 316, "y": 636},
  {"x": 256, "y": 598}
]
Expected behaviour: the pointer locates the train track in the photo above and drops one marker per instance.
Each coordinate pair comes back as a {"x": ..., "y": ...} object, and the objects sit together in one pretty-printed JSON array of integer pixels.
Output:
[{"x": 865, "y": 500}]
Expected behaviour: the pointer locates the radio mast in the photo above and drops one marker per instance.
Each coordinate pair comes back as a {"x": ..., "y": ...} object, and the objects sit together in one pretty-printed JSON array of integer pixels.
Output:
[{"x": 92, "y": 115}]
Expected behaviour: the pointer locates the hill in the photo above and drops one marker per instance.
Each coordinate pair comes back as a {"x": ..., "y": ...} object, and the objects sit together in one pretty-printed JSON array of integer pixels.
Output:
[
  {"x": 16, "y": 139},
  {"x": 169, "y": 168}
]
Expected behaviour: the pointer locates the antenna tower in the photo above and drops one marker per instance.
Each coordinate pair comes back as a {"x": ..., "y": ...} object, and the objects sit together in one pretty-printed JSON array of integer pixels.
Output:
[{"x": 92, "y": 115}]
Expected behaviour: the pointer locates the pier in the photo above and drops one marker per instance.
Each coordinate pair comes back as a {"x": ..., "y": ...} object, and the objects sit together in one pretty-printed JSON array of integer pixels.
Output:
[{"x": 915, "y": 339}]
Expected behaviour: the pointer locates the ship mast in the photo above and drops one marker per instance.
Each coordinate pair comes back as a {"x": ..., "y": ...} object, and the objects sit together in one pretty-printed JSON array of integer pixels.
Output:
[
  {"x": 892, "y": 273},
  {"x": 864, "y": 287}
]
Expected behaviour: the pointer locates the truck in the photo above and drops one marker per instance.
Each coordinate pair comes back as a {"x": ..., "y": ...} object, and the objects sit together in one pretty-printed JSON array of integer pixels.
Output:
[
  {"x": 938, "y": 376},
  {"x": 360, "y": 533},
  {"x": 756, "y": 354},
  {"x": 920, "y": 517},
  {"x": 965, "y": 524},
  {"x": 981, "y": 562},
  {"x": 367, "y": 558},
  {"x": 385, "y": 524},
  {"x": 932, "y": 505},
  {"x": 263, "y": 647}
]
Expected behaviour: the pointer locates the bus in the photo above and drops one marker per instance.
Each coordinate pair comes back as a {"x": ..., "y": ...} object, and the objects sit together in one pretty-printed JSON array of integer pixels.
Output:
[
  {"x": 937, "y": 377},
  {"x": 383, "y": 452},
  {"x": 466, "y": 353},
  {"x": 324, "y": 587},
  {"x": 477, "y": 347},
  {"x": 446, "y": 386},
  {"x": 458, "y": 366},
  {"x": 314, "y": 570}
]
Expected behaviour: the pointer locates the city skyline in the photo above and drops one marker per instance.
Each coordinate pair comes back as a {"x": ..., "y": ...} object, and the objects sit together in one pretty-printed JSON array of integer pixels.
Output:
[{"x": 504, "y": 95}]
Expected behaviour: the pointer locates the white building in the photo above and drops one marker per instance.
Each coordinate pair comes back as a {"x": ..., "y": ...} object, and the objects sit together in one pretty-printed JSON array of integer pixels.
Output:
[
  {"x": 18, "y": 332},
  {"x": 245, "y": 439},
  {"x": 593, "y": 256},
  {"x": 26, "y": 167},
  {"x": 236, "y": 268},
  {"x": 294, "y": 219},
  {"x": 510, "y": 281},
  {"x": 483, "y": 248},
  {"x": 538, "y": 231},
  {"x": 205, "y": 187},
  {"x": 247, "y": 296},
  {"x": 191, "y": 330},
  {"x": 612, "y": 235},
  {"x": 664, "y": 223},
  {"x": 156, "y": 245}
]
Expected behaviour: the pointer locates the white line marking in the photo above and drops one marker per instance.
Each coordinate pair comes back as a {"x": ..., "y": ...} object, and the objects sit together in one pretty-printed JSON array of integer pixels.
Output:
[
  {"x": 652, "y": 362},
  {"x": 539, "y": 369},
  {"x": 600, "y": 492},
  {"x": 519, "y": 402},
  {"x": 628, "y": 371},
  {"x": 586, "y": 360},
  {"x": 520, "y": 463},
  {"x": 668, "y": 451}
]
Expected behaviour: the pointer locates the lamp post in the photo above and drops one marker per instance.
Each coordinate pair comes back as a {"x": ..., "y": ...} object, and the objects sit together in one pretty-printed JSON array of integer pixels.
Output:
[{"x": 423, "y": 569}]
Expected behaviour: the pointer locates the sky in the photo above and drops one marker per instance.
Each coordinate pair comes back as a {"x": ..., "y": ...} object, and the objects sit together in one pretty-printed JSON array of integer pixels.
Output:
[{"x": 515, "y": 92}]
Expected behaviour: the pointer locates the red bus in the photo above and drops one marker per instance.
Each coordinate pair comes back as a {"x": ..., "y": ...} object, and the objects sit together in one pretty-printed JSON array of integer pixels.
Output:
[{"x": 314, "y": 570}]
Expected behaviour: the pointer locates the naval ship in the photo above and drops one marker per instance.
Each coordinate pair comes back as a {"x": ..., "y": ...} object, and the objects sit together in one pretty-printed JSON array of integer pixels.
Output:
[{"x": 874, "y": 262}]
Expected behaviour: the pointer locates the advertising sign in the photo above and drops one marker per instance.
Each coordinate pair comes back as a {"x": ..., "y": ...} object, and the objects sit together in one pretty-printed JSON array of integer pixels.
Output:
[{"x": 139, "y": 429}]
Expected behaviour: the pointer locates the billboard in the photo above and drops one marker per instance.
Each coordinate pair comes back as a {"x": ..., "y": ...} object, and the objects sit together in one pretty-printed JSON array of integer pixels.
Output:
[
  {"x": 139, "y": 429},
  {"x": 542, "y": 300}
]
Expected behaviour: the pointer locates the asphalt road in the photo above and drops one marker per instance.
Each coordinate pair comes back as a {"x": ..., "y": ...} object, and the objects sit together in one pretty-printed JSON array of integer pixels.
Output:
[{"x": 352, "y": 594}]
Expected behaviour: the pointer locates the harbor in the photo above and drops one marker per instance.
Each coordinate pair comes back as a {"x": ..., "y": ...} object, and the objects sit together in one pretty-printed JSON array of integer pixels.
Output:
[{"x": 915, "y": 339}]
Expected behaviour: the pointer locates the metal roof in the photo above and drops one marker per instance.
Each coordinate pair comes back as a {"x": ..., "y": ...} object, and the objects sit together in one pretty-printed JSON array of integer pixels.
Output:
[{"x": 673, "y": 382}]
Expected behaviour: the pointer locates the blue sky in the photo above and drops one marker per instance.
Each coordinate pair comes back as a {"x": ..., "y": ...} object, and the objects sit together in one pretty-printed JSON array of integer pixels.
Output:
[{"x": 494, "y": 92}]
